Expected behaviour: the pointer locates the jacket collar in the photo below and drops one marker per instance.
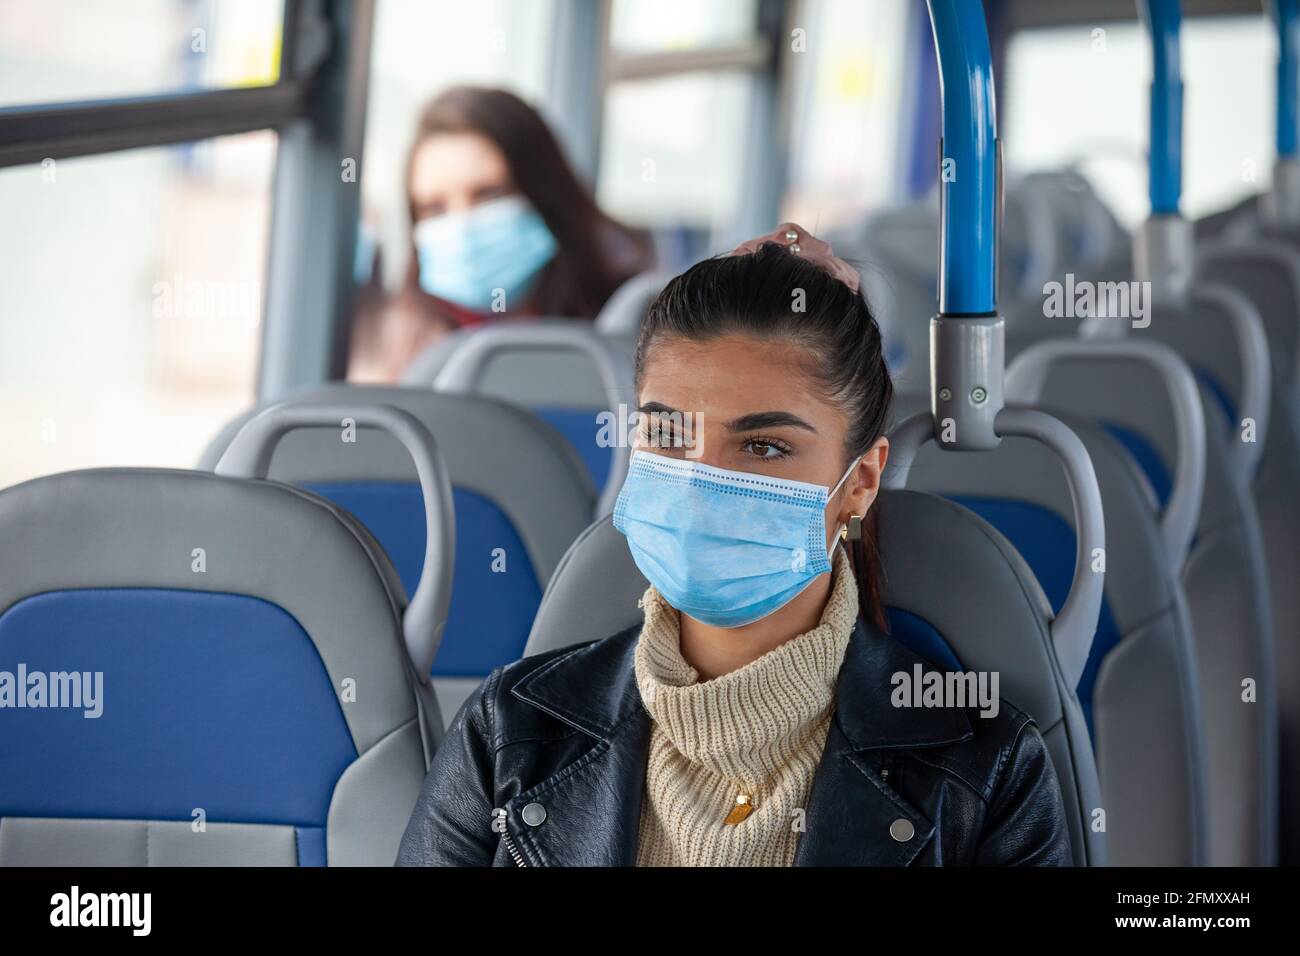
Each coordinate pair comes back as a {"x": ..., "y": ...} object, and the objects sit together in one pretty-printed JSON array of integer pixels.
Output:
[
  {"x": 593, "y": 688},
  {"x": 852, "y": 811}
]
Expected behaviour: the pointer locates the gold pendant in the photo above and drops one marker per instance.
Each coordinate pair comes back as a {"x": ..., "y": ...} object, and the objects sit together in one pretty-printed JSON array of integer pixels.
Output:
[{"x": 743, "y": 808}]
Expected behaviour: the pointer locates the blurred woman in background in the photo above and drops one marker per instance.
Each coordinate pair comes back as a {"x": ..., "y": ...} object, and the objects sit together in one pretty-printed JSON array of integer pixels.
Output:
[{"x": 502, "y": 228}]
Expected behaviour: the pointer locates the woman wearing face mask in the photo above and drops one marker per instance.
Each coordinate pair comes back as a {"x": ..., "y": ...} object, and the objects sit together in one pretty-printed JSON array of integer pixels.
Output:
[
  {"x": 501, "y": 229},
  {"x": 748, "y": 720}
]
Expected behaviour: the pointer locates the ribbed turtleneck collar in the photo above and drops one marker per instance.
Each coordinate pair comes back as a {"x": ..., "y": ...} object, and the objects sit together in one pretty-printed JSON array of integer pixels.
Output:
[{"x": 746, "y": 724}]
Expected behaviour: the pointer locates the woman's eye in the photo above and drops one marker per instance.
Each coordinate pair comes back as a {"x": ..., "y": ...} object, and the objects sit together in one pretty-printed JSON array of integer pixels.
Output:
[{"x": 766, "y": 449}]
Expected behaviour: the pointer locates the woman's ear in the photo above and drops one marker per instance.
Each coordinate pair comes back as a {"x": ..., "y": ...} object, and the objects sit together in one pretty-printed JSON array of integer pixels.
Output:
[{"x": 864, "y": 484}]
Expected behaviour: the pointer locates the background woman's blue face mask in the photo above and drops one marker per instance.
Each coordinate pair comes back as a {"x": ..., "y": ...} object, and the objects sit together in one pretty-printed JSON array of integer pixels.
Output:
[
  {"x": 493, "y": 250},
  {"x": 724, "y": 547}
]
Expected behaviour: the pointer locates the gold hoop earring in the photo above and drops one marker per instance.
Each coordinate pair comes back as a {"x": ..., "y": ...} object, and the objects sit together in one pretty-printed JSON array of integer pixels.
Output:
[{"x": 853, "y": 530}]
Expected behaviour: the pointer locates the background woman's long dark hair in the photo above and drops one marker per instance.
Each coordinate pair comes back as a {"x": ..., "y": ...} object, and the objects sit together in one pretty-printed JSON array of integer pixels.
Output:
[
  {"x": 596, "y": 253},
  {"x": 754, "y": 294}
]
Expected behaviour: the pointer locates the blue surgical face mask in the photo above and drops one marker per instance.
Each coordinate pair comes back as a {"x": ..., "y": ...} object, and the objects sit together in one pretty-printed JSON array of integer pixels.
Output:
[
  {"x": 724, "y": 547},
  {"x": 487, "y": 256}
]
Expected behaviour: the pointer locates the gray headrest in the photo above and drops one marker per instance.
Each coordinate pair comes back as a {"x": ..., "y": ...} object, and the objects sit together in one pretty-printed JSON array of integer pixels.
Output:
[
  {"x": 622, "y": 314},
  {"x": 1139, "y": 579},
  {"x": 483, "y": 442}
]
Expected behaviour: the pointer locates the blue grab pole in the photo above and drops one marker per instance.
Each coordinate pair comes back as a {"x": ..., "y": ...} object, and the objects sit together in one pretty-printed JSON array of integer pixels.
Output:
[
  {"x": 1286, "y": 17},
  {"x": 1163, "y": 19},
  {"x": 968, "y": 174}
]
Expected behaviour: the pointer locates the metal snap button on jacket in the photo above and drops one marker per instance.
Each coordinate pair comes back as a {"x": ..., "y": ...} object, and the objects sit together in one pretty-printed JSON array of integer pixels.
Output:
[
  {"x": 535, "y": 814},
  {"x": 901, "y": 829}
]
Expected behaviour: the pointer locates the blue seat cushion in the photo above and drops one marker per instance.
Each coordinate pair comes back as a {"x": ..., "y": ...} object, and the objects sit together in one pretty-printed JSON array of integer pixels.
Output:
[
  {"x": 492, "y": 609},
  {"x": 1147, "y": 458},
  {"x": 210, "y": 701},
  {"x": 921, "y": 637},
  {"x": 1047, "y": 544},
  {"x": 1221, "y": 396}
]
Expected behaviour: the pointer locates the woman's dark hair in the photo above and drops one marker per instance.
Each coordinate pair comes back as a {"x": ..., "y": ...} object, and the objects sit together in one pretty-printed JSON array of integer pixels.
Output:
[
  {"x": 761, "y": 294},
  {"x": 596, "y": 253}
]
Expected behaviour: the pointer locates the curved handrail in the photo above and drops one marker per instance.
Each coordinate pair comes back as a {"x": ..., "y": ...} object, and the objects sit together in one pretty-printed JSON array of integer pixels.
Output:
[
  {"x": 464, "y": 368},
  {"x": 968, "y": 174},
  {"x": 1074, "y": 627},
  {"x": 1027, "y": 376},
  {"x": 249, "y": 456}
]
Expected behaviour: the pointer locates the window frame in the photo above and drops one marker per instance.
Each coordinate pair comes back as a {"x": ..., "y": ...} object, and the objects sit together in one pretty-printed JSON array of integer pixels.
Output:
[
  {"x": 317, "y": 109},
  {"x": 763, "y": 59}
]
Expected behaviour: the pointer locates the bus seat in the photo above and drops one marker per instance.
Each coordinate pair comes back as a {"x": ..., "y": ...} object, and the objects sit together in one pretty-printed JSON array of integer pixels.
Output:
[
  {"x": 995, "y": 620},
  {"x": 1221, "y": 335},
  {"x": 1268, "y": 273},
  {"x": 1219, "y": 557},
  {"x": 520, "y": 497},
  {"x": 1138, "y": 690},
  {"x": 569, "y": 375},
  {"x": 259, "y": 704}
]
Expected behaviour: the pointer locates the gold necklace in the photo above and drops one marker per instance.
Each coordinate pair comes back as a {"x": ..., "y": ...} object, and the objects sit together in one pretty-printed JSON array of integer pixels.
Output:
[{"x": 743, "y": 808}]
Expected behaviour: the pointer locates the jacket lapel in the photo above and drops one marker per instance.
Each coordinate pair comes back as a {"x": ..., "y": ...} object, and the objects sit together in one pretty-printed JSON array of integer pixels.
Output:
[
  {"x": 854, "y": 817},
  {"x": 853, "y": 813},
  {"x": 593, "y": 805}
]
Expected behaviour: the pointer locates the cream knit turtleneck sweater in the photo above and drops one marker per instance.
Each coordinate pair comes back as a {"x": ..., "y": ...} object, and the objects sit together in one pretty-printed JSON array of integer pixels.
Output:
[{"x": 758, "y": 730}]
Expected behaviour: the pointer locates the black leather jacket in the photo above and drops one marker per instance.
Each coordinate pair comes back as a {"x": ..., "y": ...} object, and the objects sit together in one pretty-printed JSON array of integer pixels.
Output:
[{"x": 560, "y": 743}]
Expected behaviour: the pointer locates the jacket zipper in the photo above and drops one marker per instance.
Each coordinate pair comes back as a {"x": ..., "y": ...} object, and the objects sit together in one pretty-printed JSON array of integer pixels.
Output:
[{"x": 505, "y": 838}]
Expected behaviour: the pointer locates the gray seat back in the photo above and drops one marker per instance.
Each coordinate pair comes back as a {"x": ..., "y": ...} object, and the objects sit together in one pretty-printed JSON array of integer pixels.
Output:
[
  {"x": 1146, "y": 394},
  {"x": 483, "y": 442},
  {"x": 1268, "y": 273},
  {"x": 257, "y": 702},
  {"x": 1139, "y": 688},
  {"x": 570, "y": 375}
]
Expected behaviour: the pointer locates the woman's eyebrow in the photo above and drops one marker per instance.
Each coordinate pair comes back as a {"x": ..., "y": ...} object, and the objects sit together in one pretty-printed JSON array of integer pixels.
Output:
[
  {"x": 657, "y": 408},
  {"x": 757, "y": 420}
]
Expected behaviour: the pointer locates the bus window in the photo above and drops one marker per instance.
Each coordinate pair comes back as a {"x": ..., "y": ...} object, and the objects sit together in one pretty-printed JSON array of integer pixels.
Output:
[
  {"x": 1228, "y": 81},
  {"x": 74, "y": 50},
  {"x": 672, "y": 148},
  {"x": 848, "y": 65},
  {"x": 676, "y": 25},
  {"x": 137, "y": 279}
]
